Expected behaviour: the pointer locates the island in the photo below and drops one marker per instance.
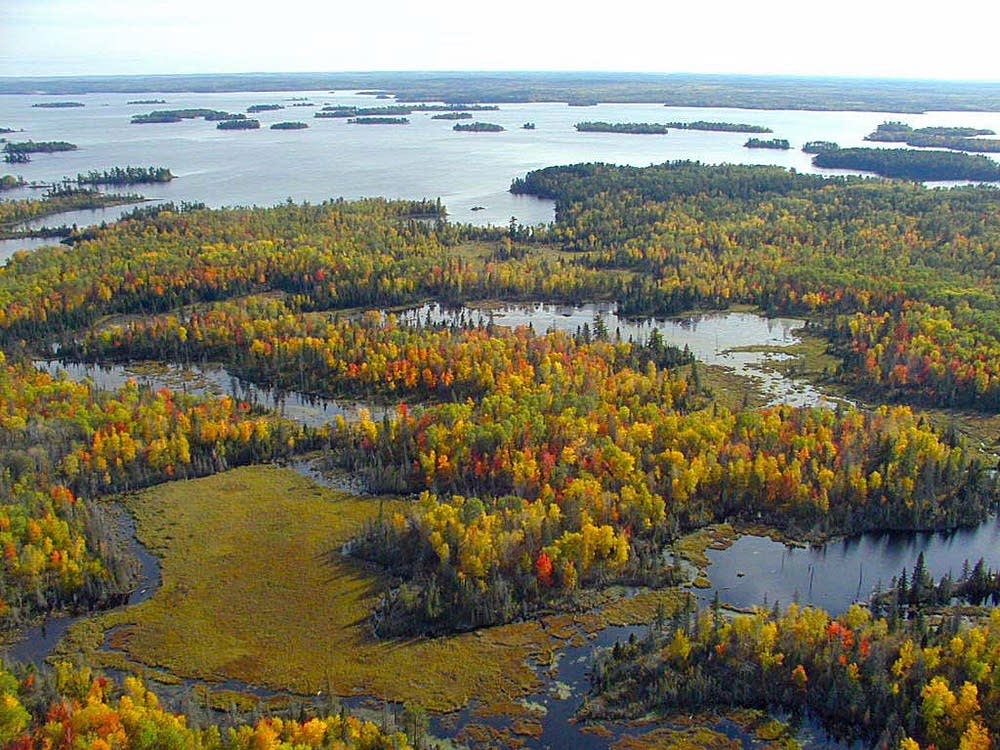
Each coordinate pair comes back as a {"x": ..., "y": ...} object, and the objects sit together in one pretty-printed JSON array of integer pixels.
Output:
[
  {"x": 58, "y": 105},
  {"x": 239, "y": 124},
  {"x": 894, "y": 131},
  {"x": 125, "y": 176},
  {"x": 453, "y": 116},
  {"x": 289, "y": 126},
  {"x": 632, "y": 128},
  {"x": 723, "y": 127},
  {"x": 378, "y": 121},
  {"x": 775, "y": 143},
  {"x": 478, "y": 127},
  {"x": 147, "y": 101},
  {"x": 176, "y": 115},
  {"x": 58, "y": 199},
  {"x": 219, "y": 116},
  {"x": 19, "y": 152},
  {"x": 819, "y": 147},
  {"x": 953, "y": 138},
  {"x": 912, "y": 164},
  {"x": 528, "y": 126},
  {"x": 255, "y": 108},
  {"x": 11, "y": 182}
]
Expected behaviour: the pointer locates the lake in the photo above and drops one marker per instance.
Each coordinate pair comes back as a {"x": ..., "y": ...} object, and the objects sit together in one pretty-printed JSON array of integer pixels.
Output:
[{"x": 423, "y": 159}]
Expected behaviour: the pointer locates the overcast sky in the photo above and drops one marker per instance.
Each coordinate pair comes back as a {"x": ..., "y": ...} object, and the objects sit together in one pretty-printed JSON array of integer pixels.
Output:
[{"x": 852, "y": 38}]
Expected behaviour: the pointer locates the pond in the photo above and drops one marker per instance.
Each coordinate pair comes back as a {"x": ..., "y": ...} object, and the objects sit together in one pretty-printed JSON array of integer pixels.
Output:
[
  {"x": 216, "y": 380},
  {"x": 757, "y": 571}
]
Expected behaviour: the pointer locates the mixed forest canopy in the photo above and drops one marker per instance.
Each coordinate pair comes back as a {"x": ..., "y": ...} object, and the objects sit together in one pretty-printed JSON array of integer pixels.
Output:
[{"x": 542, "y": 466}]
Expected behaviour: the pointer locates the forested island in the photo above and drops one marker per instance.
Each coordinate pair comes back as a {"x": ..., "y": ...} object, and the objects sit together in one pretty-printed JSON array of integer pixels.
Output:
[
  {"x": 452, "y": 116},
  {"x": 780, "y": 144},
  {"x": 241, "y": 123},
  {"x": 478, "y": 127},
  {"x": 146, "y": 101},
  {"x": 125, "y": 176},
  {"x": 177, "y": 115},
  {"x": 819, "y": 147},
  {"x": 57, "y": 105},
  {"x": 722, "y": 127},
  {"x": 378, "y": 121},
  {"x": 255, "y": 108},
  {"x": 289, "y": 126},
  {"x": 638, "y": 128},
  {"x": 347, "y": 111},
  {"x": 20, "y": 152},
  {"x": 11, "y": 182},
  {"x": 57, "y": 200},
  {"x": 955, "y": 138},
  {"x": 912, "y": 164}
]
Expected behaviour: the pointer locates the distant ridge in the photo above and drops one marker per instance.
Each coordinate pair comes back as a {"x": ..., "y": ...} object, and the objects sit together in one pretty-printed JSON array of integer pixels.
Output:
[{"x": 676, "y": 89}]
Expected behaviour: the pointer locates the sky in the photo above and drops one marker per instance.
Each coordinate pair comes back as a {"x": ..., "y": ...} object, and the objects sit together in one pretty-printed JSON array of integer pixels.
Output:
[{"x": 844, "y": 38}]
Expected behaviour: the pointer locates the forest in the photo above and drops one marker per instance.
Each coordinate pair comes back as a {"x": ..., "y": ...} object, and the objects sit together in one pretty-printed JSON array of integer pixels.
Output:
[
  {"x": 864, "y": 257},
  {"x": 538, "y": 468},
  {"x": 912, "y": 164},
  {"x": 892, "y": 683},
  {"x": 75, "y": 707}
]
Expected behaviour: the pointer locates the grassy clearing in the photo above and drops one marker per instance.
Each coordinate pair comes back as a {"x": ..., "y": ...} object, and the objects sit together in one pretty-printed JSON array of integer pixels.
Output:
[
  {"x": 689, "y": 738},
  {"x": 251, "y": 592},
  {"x": 693, "y": 547},
  {"x": 730, "y": 389}
]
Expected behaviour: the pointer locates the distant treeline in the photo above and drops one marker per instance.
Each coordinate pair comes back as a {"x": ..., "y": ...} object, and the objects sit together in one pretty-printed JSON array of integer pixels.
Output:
[
  {"x": 912, "y": 164},
  {"x": 776, "y": 143},
  {"x": 125, "y": 176},
  {"x": 680, "y": 90},
  {"x": 725, "y": 127},
  {"x": 635, "y": 128}
]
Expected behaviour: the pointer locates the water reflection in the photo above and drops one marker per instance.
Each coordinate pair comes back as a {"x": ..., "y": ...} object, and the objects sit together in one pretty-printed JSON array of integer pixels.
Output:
[
  {"x": 759, "y": 571},
  {"x": 713, "y": 338}
]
